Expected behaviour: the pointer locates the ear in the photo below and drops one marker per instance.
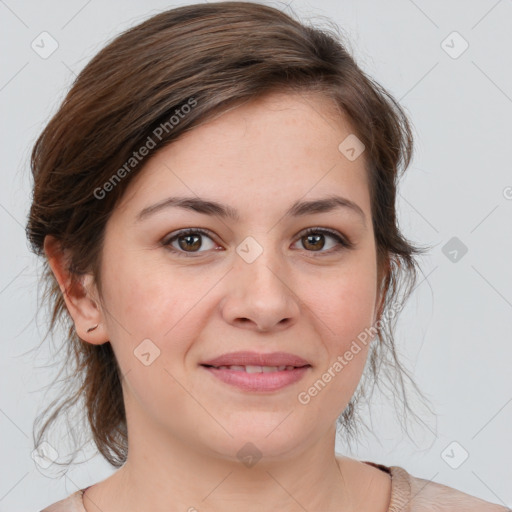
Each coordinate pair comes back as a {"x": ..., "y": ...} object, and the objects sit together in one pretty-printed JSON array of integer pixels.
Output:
[{"x": 80, "y": 294}]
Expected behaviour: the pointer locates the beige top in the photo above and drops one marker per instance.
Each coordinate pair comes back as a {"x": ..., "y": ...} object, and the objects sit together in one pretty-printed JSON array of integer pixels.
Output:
[{"x": 408, "y": 494}]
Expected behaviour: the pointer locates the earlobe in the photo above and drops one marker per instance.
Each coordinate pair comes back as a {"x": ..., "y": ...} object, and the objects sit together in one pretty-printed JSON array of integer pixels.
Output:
[{"x": 77, "y": 294}]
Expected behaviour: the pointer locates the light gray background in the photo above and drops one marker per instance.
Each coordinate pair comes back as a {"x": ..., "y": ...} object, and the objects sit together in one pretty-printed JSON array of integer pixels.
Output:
[{"x": 455, "y": 333}]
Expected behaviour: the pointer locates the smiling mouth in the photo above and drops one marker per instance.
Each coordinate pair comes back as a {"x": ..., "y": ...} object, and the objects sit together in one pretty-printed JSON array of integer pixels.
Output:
[{"x": 255, "y": 369}]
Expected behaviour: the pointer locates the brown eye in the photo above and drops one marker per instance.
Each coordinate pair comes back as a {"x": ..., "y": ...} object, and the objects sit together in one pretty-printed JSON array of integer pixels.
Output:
[
  {"x": 313, "y": 240},
  {"x": 192, "y": 242},
  {"x": 189, "y": 241}
]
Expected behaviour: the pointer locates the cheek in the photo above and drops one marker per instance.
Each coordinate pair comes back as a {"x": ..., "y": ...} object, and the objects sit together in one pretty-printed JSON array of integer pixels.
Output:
[
  {"x": 144, "y": 304},
  {"x": 146, "y": 300},
  {"x": 345, "y": 303},
  {"x": 142, "y": 296},
  {"x": 344, "y": 306}
]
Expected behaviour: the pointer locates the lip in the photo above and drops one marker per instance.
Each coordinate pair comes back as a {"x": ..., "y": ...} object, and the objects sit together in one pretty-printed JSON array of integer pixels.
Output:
[
  {"x": 257, "y": 359},
  {"x": 263, "y": 382},
  {"x": 257, "y": 382}
]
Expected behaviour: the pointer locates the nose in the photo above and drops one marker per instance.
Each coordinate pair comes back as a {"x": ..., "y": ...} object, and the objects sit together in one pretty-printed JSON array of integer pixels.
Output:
[{"x": 260, "y": 295}]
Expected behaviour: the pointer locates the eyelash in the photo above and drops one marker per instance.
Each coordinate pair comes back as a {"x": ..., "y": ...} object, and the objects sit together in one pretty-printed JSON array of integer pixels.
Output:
[{"x": 344, "y": 242}]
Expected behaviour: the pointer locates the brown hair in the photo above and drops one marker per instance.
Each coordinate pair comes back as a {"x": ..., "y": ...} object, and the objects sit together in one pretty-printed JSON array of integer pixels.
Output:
[{"x": 211, "y": 57}]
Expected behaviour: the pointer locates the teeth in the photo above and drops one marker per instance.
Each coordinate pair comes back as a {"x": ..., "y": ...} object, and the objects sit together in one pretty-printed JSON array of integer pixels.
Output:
[
  {"x": 256, "y": 369},
  {"x": 253, "y": 369}
]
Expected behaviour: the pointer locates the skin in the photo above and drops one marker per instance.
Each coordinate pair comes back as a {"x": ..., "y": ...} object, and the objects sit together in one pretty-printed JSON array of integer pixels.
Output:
[{"x": 185, "y": 426}]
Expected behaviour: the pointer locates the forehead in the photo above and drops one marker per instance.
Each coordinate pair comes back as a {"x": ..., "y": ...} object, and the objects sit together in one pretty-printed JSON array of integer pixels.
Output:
[{"x": 267, "y": 151}]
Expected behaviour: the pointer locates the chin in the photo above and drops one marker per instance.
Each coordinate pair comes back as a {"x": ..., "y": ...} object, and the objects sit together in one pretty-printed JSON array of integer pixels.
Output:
[{"x": 260, "y": 435}]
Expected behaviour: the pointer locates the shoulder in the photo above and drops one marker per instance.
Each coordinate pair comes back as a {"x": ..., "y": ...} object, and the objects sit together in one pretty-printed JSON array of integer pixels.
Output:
[
  {"x": 73, "y": 503},
  {"x": 414, "y": 494},
  {"x": 426, "y": 495}
]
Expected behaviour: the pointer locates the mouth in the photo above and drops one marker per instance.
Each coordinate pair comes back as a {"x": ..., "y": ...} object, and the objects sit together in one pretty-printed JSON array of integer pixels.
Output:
[
  {"x": 255, "y": 369},
  {"x": 251, "y": 371}
]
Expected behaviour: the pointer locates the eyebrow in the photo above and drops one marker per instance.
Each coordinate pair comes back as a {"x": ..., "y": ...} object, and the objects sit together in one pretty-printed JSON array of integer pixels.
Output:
[{"x": 298, "y": 209}]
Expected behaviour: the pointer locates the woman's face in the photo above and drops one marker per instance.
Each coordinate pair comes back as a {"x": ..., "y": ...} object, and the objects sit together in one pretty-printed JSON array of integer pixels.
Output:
[{"x": 253, "y": 281}]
